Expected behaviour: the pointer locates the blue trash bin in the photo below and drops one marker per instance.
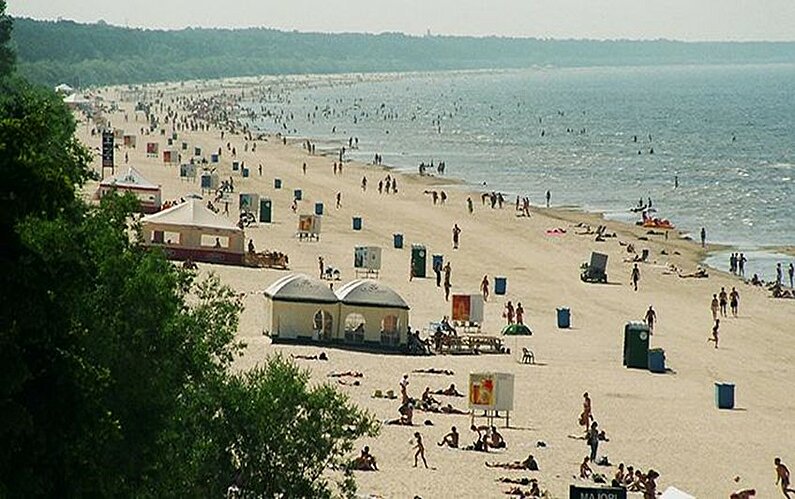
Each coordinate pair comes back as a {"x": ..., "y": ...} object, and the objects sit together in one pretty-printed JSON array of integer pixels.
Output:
[
  {"x": 657, "y": 360},
  {"x": 245, "y": 172},
  {"x": 235, "y": 166},
  {"x": 318, "y": 208},
  {"x": 564, "y": 318},
  {"x": 500, "y": 285},
  {"x": 398, "y": 240},
  {"x": 214, "y": 158},
  {"x": 277, "y": 183},
  {"x": 357, "y": 223},
  {"x": 437, "y": 261},
  {"x": 297, "y": 194},
  {"x": 724, "y": 395}
]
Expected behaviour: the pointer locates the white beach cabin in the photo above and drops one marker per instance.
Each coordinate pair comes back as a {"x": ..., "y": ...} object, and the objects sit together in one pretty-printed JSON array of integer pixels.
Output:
[
  {"x": 373, "y": 315},
  {"x": 302, "y": 309}
]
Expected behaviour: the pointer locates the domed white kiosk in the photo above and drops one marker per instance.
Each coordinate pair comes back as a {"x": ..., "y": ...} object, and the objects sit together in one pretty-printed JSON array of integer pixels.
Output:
[
  {"x": 300, "y": 307},
  {"x": 372, "y": 314}
]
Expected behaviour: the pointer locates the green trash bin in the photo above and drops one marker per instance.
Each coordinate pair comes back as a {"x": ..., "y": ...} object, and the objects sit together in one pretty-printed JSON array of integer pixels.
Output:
[
  {"x": 419, "y": 260},
  {"x": 636, "y": 345},
  {"x": 265, "y": 211}
]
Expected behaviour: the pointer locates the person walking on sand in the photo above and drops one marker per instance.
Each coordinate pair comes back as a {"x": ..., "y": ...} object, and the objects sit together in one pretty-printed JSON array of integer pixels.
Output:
[
  {"x": 470, "y": 208},
  {"x": 404, "y": 386},
  {"x": 592, "y": 438},
  {"x": 321, "y": 264},
  {"x": 420, "y": 449},
  {"x": 791, "y": 272},
  {"x": 586, "y": 417},
  {"x": 447, "y": 272},
  {"x": 549, "y": 196},
  {"x": 734, "y": 301},
  {"x": 519, "y": 313},
  {"x": 714, "y": 307},
  {"x": 364, "y": 184},
  {"x": 723, "y": 301},
  {"x": 437, "y": 269},
  {"x": 509, "y": 312},
  {"x": 484, "y": 287},
  {"x": 782, "y": 477},
  {"x": 650, "y": 318},
  {"x": 703, "y": 237},
  {"x": 635, "y": 276},
  {"x": 715, "y": 333},
  {"x": 456, "y": 235},
  {"x": 339, "y": 200}
]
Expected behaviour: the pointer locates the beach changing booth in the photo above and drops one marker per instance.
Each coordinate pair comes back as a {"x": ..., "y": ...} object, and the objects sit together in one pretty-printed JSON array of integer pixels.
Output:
[
  {"x": 152, "y": 149},
  {"x": 209, "y": 180},
  {"x": 367, "y": 260},
  {"x": 301, "y": 309},
  {"x": 249, "y": 203},
  {"x": 129, "y": 140},
  {"x": 636, "y": 345},
  {"x": 187, "y": 171},
  {"x": 419, "y": 260},
  {"x": 265, "y": 211},
  {"x": 147, "y": 193},
  {"x": 190, "y": 231},
  {"x": 373, "y": 315},
  {"x": 491, "y": 396}
]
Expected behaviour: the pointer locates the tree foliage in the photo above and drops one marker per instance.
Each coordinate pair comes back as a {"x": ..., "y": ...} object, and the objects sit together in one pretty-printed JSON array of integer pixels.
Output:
[
  {"x": 93, "y": 54},
  {"x": 6, "y": 54}
]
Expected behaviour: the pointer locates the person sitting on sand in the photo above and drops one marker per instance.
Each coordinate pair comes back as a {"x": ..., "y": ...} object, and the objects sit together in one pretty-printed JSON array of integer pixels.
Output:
[
  {"x": 495, "y": 439},
  {"x": 618, "y": 478},
  {"x": 352, "y": 374},
  {"x": 637, "y": 483},
  {"x": 528, "y": 464},
  {"x": 433, "y": 370},
  {"x": 406, "y": 416},
  {"x": 650, "y": 485},
  {"x": 450, "y": 440},
  {"x": 585, "y": 470},
  {"x": 480, "y": 444},
  {"x": 365, "y": 461},
  {"x": 427, "y": 399},
  {"x": 450, "y": 391}
]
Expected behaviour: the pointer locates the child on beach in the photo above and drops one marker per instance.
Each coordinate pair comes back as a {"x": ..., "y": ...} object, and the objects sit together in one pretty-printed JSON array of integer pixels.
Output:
[
  {"x": 420, "y": 450},
  {"x": 715, "y": 333},
  {"x": 782, "y": 477}
]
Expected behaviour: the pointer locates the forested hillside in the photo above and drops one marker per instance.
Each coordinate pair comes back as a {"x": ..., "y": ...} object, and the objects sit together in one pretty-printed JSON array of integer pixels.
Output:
[{"x": 92, "y": 54}]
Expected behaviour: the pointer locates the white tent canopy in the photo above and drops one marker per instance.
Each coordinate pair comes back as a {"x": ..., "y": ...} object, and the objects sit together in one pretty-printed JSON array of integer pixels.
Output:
[
  {"x": 75, "y": 99},
  {"x": 64, "y": 89},
  {"x": 131, "y": 178},
  {"x": 191, "y": 213},
  {"x": 370, "y": 293},
  {"x": 300, "y": 287}
]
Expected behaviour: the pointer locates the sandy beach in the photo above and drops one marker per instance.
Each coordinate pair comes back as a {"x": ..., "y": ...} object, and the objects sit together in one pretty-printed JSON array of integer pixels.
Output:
[{"x": 668, "y": 422}]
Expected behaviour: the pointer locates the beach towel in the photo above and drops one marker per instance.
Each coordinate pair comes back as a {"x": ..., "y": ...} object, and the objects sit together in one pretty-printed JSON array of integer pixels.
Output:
[{"x": 674, "y": 493}]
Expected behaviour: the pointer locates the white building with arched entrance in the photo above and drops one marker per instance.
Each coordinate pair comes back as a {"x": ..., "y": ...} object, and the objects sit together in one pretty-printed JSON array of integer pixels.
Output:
[{"x": 362, "y": 314}]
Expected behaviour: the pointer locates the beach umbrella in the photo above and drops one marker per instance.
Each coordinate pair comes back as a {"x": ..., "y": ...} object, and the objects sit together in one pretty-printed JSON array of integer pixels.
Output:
[{"x": 517, "y": 330}]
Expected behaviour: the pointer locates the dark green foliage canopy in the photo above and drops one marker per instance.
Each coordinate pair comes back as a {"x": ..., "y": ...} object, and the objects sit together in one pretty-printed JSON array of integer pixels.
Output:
[{"x": 92, "y": 54}]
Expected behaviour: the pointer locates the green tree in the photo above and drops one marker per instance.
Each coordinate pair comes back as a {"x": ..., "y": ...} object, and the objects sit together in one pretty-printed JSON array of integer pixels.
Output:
[{"x": 6, "y": 54}]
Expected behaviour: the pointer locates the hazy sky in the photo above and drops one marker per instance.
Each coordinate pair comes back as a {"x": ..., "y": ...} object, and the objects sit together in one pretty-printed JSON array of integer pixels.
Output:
[{"x": 634, "y": 19}]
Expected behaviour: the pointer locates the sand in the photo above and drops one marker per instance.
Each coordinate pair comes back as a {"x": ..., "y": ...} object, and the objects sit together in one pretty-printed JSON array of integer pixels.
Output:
[{"x": 667, "y": 422}]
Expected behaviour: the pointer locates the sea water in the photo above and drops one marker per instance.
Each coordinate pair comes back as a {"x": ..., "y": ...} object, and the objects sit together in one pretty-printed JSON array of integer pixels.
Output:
[{"x": 600, "y": 139}]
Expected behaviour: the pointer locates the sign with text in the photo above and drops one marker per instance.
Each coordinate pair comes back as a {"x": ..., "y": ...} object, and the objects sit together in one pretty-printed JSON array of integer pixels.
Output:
[
  {"x": 577, "y": 492},
  {"x": 107, "y": 149}
]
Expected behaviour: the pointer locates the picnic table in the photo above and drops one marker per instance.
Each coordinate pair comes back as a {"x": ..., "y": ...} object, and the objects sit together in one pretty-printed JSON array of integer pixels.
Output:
[{"x": 472, "y": 344}]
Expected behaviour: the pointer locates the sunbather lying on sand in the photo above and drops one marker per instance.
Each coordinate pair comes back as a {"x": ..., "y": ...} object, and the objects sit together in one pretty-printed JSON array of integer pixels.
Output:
[
  {"x": 698, "y": 274},
  {"x": 450, "y": 391},
  {"x": 322, "y": 356},
  {"x": 529, "y": 464},
  {"x": 433, "y": 370},
  {"x": 348, "y": 383},
  {"x": 352, "y": 374},
  {"x": 518, "y": 481},
  {"x": 521, "y": 494}
]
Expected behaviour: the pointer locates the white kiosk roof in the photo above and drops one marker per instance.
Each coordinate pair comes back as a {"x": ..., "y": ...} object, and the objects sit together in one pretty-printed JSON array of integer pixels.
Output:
[
  {"x": 191, "y": 213},
  {"x": 300, "y": 288},
  {"x": 371, "y": 293},
  {"x": 131, "y": 179}
]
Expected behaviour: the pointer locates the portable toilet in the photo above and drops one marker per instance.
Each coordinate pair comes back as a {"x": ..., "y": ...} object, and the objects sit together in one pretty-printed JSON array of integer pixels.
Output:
[
  {"x": 277, "y": 183},
  {"x": 418, "y": 260},
  {"x": 318, "y": 208},
  {"x": 298, "y": 194},
  {"x": 636, "y": 345},
  {"x": 265, "y": 211}
]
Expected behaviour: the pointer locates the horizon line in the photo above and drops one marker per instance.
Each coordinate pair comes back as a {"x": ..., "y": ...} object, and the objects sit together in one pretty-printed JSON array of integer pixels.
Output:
[{"x": 102, "y": 22}]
